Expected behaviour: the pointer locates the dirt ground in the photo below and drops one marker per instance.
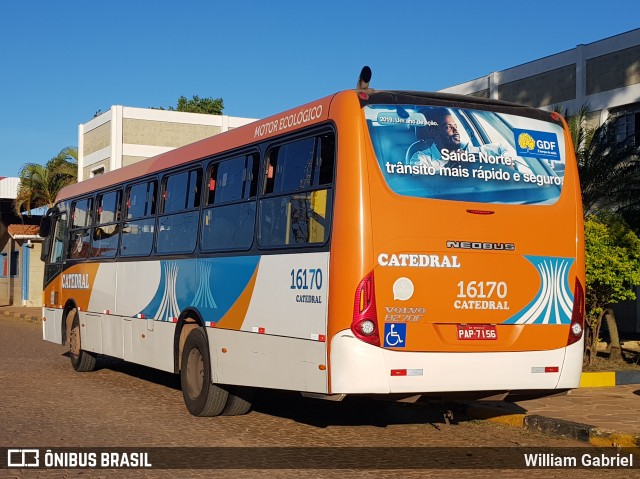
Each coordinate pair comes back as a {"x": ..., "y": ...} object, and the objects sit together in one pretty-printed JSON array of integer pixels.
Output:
[{"x": 630, "y": 361}]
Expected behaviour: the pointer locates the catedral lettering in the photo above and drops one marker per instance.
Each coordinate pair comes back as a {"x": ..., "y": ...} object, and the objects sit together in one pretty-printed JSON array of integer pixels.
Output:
[
  {"x": 75, "y": 281},
  {"x": 465, "y": 304},
  {"x": 308, "y": 298},
  {"x": 418, "y": 260}
]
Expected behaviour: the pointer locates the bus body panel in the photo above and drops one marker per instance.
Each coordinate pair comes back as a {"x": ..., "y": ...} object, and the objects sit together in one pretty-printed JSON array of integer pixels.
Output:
[
  {"x": 52, "y": 325},
  {"x": 360, "y": 368},
  {"x": 285, "y": 295},
  {"x": 268, "y": 361}
]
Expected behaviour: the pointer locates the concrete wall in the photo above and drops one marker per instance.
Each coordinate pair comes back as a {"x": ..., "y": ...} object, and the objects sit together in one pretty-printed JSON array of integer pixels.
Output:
[
  {"x": 125, "y": 135},
  {"x": 164, "y": 133}
]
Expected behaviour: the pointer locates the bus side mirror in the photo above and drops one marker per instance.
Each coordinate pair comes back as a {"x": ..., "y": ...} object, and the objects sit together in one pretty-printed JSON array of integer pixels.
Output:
[
  {"x": 45, "y": 227},
  {"x": 44, "y": 252}
]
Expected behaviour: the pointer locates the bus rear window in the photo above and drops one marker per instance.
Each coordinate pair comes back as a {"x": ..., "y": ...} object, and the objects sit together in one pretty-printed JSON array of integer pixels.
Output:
[{"x": 467, "y": 155}]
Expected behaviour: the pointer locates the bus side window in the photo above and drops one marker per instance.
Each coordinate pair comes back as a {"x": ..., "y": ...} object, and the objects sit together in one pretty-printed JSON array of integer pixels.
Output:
[
  {"x": 80, "y": 234},
  {"x": 228, "y": 221},
  {"x": 298, "y": 194},
  {"x": 106, "y": 231},
  {"x": 178, "y": 225},
  {"x": 60, "y": 232},
  {"x": 138, "y": 229}
]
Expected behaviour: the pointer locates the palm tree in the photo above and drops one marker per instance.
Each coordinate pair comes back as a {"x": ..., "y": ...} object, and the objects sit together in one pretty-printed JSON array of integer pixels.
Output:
[
  {"x": 609, "y": 169},
  {"x": 609, "y": 166},
  {"x": 39, "y": 184}
]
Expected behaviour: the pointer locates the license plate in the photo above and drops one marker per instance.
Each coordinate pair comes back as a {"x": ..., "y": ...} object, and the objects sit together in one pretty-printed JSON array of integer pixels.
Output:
[{"x": 477, "y": 332}]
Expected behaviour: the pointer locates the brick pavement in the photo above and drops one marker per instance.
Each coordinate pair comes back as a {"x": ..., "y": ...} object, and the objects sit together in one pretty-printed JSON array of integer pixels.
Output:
[
  {"x": 603, "y": 416},
  {"x": 44, "y": 403}
]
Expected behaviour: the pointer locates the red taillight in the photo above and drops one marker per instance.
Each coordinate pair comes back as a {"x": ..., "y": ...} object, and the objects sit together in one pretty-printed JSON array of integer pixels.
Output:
[
  {"x": 365, "y": 315},
  {"x": 577, "y": 318}
]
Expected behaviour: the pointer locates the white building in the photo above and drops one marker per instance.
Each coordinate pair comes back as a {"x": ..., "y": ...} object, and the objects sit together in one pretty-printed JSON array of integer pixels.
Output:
[
  {"x": 125, "y": 135},
  {"x": 605, "y": 75}
]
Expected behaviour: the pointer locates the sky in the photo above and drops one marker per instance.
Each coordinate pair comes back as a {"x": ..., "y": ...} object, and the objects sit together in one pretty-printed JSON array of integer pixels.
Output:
[{"x": 62, "y": 61}]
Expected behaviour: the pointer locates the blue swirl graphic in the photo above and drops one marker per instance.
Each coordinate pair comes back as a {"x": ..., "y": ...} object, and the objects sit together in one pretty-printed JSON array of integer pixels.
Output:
[{"x": 553, "y": 304}]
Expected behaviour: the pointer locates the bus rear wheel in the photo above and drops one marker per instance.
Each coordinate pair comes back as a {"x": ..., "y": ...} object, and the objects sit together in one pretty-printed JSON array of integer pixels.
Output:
[
  {"x": 239, "y": 401},
  {"x": 81, "y": 360},
  {"x": 201, "y": 396}
]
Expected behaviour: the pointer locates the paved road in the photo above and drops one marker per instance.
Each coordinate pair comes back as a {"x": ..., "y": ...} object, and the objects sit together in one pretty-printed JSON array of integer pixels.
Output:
[{"x": 44, "y": 403}]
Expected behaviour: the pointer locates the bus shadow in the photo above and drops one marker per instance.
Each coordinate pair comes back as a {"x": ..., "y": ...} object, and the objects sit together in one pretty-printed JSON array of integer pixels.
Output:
[
  {"x": 356, "y": 411},
  {"x": 137, "y": 371},
  {"x": 352, "y": 411}
]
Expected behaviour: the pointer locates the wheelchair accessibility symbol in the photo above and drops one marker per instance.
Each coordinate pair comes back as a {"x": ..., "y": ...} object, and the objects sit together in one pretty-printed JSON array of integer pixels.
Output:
[{"x": 395, "y": 335}]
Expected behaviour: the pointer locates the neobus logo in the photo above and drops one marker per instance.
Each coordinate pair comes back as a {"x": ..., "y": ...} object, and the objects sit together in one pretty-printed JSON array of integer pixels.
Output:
[
  {"x": 480, "y": 245},
  {"x": 75, "y": 281}
]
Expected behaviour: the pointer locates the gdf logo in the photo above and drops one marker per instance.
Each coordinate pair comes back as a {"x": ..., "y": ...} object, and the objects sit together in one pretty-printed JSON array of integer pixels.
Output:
[
  {"x": 537, "y": 144},
  {"x": 546, "y": 145}
]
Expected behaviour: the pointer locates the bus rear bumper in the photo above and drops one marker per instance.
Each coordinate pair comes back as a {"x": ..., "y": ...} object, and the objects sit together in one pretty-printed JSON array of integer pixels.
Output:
[{"x": 360, "y": 368}]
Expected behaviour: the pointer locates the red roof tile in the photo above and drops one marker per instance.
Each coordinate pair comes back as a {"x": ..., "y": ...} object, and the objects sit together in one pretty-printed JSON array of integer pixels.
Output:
[{"x": 20, "y": 230}]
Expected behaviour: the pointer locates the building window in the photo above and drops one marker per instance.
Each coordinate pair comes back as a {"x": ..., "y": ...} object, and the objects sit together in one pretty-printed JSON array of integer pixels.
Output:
[
  {"x": 627, "y": 122},
  {"x": 97, "y": 172},
  {"x": 626, "y": 125},
  {"x": 5, "y": 264}
]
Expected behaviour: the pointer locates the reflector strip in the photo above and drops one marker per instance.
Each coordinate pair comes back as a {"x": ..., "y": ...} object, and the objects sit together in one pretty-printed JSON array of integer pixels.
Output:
[
  {"x": 319, "y": 337},
  {"x": 257, "y": 329},
  {"x": 174, "y": 320},
  {"x": 398, "y": 372},
  {"x": 141, "y": 316},
  {"x": 547, "y": 369},
  {"x": 106, "y": 311},
  {"x": 210, "y": 324}
]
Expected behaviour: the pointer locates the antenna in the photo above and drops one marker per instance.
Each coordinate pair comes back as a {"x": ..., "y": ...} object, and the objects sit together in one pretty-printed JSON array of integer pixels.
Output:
[{"x": 364, "y": 78}]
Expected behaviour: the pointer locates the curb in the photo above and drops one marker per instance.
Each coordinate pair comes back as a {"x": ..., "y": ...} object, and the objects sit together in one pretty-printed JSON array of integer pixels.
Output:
[
  {"x": 609, "y": 379},
  {"x": 553, "y": 427}
]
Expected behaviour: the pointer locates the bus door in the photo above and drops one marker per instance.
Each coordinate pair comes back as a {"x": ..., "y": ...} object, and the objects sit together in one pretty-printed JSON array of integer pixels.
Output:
[{"x": 53, "y": 256}]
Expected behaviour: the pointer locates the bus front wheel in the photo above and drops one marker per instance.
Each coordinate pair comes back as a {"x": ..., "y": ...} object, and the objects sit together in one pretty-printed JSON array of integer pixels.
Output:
[
  {"x": 201, "y": 396},
  {"x": 81, "y": 360}
]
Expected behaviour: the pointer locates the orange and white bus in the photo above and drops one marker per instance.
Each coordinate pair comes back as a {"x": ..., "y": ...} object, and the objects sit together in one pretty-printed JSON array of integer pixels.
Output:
[{"x": 388, "y": 243}]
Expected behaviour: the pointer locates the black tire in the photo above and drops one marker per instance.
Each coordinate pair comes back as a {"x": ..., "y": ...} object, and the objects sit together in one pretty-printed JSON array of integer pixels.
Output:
[
  {"x": 81, "y": 360},
  {"x": 201, "y": 397},
  {"x": 239, "y": 401}
]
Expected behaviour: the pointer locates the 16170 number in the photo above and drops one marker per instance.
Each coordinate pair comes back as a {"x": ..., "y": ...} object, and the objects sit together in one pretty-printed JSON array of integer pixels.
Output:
[
  {"x": 304, "y": 278},
  {"x": 482, "y": 289}
]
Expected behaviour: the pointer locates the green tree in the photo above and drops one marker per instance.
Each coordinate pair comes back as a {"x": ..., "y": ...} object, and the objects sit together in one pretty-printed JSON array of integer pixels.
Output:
[
  {"x": 612, "y": 268},
  {"x": 40, "y": 184},
  {"x": 211, "y": 106}
]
